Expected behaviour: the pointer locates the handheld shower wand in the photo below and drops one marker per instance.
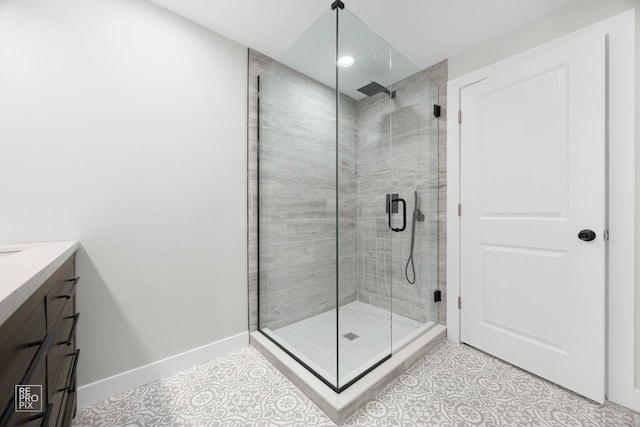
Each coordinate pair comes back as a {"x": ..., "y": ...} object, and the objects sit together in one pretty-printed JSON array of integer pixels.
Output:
[{"x": 419, "y": 216}]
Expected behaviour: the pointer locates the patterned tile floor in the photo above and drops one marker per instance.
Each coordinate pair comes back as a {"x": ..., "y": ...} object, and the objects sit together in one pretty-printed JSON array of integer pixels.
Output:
[{"x": 455, "y": 385}]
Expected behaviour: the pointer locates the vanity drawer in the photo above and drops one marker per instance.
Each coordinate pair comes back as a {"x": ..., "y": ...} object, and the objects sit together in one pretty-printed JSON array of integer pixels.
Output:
[
  {"x": 18, "y": 352},
  {"x": 63, "y": 340},
  {"x": 65, "y": 385},
  {"x": 62, "y": 290}
]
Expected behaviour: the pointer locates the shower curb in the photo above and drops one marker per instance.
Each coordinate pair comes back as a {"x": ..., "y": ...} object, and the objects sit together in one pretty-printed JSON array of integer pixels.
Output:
[{"x": 339, "y": 407}]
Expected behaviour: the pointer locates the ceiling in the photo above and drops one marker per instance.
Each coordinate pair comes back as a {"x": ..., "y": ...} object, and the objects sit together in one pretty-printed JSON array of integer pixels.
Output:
[{"x": 425, "y": 31}]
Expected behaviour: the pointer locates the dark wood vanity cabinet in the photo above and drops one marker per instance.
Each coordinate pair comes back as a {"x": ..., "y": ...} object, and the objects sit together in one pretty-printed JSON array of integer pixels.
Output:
[{"x": 38, "y": 348}]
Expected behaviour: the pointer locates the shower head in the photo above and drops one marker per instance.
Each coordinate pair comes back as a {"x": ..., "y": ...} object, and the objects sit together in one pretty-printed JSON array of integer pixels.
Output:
[{"x": 374, "y": 88}]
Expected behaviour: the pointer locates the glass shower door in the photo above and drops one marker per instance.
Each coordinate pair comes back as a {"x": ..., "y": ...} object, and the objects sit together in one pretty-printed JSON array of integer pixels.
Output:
[{"x": 414, "y": 166}]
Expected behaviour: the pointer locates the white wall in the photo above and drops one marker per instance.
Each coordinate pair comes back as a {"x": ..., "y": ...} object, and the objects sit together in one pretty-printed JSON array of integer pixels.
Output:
[
  {"x": 124, "y": 126},
  {"x": 571, "y": 17},
  {"x": 575, "y": 15}
]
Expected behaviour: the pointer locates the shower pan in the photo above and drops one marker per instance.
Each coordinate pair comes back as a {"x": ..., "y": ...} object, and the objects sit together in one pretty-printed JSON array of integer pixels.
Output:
[{"x": 347, "y": 200}]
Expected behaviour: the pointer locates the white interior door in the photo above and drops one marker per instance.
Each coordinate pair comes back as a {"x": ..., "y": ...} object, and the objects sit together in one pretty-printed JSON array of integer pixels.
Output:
[{"x": 532, "y": 177}]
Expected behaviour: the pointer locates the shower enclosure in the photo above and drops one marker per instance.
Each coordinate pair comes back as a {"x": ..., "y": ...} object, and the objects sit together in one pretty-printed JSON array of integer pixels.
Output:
[{"x": 347, "y": 200}]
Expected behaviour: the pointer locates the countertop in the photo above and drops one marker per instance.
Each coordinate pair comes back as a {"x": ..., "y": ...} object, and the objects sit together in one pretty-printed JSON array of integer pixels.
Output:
[{"x": 24, "y": 267}]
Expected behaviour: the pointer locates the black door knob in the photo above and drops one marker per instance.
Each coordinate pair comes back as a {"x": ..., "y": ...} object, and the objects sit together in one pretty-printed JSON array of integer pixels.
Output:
[{"x": 586, "y": 235}]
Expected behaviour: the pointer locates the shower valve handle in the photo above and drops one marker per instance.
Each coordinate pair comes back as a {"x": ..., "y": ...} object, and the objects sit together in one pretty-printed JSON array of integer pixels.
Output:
[{"x": 404, "y": 216}]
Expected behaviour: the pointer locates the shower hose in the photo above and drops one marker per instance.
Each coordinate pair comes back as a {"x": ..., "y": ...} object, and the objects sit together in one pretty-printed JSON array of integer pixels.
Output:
[{"x": 413, "y": 235}]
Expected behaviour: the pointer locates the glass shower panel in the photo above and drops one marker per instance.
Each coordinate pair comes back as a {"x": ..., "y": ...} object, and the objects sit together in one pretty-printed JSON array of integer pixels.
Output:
[
  {"x": 414, "y": 175},
  {"x": 364, "y": 253},
  {"x": 297, "y": 225}
]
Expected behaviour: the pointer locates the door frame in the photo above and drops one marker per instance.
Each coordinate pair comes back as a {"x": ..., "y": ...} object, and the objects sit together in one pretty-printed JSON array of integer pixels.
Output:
[{"x": 620, "y": 307}]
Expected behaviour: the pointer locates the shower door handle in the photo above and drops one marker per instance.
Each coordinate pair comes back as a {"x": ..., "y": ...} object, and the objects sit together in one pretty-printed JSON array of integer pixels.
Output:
[{"x": 404, "y": 216}]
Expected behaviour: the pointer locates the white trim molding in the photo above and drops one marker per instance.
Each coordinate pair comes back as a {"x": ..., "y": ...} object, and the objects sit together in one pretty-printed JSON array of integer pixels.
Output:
[
  {"x": 636, "y": 403},
  {"x": 103, "y": 389},
  {"x": 620, "y": 30}
]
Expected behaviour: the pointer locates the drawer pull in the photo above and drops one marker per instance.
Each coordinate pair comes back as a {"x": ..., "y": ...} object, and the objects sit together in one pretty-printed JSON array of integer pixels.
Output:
[
  {"x": 44, "y": 344},
  {"x": 33, "y": 344},
  {"x": 44, "y": 415},
  {"x": 73, "y": 288},
  {"x": 72, "y": 373},
  {"x": 73, "y": 328}
]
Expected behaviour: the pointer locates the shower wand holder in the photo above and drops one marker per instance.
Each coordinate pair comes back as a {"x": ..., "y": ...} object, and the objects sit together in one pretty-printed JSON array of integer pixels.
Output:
[{"x": 392, "y": 207}]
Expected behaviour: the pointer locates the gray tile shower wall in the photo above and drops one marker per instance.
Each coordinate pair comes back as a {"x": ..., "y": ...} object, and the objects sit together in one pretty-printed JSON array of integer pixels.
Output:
[
  {"x": 297, "y": 196},
  {"x": 397, "y": 152}
]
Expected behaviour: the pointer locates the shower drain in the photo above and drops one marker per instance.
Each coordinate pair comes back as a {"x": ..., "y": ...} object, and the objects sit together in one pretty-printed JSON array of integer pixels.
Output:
[{"x": 351, "y": 336}]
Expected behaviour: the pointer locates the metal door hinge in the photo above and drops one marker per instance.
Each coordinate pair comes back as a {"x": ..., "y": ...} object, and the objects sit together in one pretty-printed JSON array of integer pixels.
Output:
[
  {"x": 459, "y": 116},
  {"x": 459, "y": 210},
  {"x": 437, "y": 295},
  {"x": 605, "y": 235},
  {"x": 436, "y": 110},
  {"x": 459, "y": 303}
]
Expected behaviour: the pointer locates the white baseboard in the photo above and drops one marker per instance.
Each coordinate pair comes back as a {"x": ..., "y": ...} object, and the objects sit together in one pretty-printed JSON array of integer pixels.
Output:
[
  {"x": 636, "y": 400},
  {"x": 103, "y": 389}
]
